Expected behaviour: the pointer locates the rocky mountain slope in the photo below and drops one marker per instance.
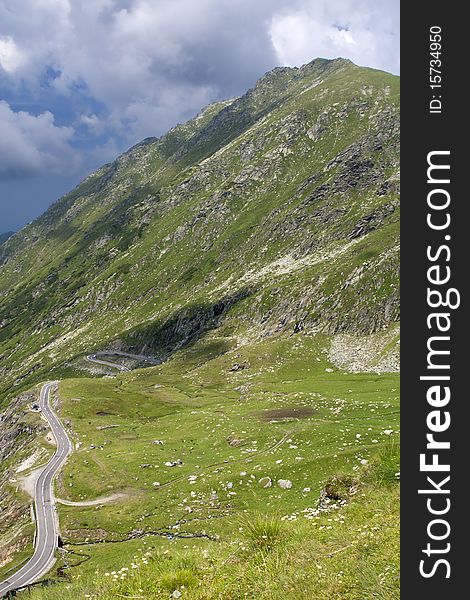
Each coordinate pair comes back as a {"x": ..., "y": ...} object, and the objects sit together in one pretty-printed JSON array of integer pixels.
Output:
[{"x": 272, "y": 213}]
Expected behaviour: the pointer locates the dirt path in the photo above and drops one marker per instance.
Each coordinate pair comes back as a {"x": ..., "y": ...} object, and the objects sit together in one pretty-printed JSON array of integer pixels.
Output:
[{"x": 96, "y": 501}]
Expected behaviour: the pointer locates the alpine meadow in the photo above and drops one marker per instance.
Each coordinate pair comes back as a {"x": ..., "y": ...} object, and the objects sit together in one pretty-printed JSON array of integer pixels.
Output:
[{"x": 218, "y": 313}]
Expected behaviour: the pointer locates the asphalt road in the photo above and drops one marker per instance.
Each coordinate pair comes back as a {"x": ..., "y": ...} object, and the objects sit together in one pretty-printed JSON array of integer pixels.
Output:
[
  {"x": 95, "y": 358},
  {"x": 47, "y": 526}
]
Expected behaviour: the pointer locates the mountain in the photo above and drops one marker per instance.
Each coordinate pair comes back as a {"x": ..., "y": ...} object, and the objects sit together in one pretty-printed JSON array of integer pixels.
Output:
[
  {"x": 251, "y": 256},
  {"x": 272, "y": 213},
  {"x": 5, "y": 236}
]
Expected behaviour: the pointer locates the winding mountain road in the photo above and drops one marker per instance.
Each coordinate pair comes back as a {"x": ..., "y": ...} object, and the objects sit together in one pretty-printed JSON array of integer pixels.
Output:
[
  {"x": 95, "y": 358},
  {"x": 47, "y": 526},
  {"x": 99, "y": 361}
]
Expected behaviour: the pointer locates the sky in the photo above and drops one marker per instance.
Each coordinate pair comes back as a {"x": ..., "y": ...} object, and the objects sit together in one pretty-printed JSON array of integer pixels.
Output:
[{"x": 83, "y": 80}]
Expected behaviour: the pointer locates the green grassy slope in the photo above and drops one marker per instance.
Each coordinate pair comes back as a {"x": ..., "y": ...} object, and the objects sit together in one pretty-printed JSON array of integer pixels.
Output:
[{"x": 287, "y": 415}]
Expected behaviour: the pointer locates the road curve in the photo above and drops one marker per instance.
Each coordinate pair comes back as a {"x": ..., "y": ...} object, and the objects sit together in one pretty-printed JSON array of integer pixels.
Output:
[
  {"x": 47, "y": 530},
  {"x": 93, "y": 358},
  {"x": 101, "y": 361}
]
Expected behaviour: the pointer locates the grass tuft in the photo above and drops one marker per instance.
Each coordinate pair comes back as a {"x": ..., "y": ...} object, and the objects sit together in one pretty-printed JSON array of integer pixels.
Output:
[
  {"x": 264, "y": 533},
  {"x": 177, "y": 579},
  {"x": 385, "y": 465}
]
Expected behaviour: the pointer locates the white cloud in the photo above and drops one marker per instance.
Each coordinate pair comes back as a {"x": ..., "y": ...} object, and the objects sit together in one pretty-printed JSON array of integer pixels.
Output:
[
  {"x": 10, "y": 56},
  {"x": 31, "y": 144},
  {"x": 92, "y": 123},
  {"x": 365, "y": 31}
]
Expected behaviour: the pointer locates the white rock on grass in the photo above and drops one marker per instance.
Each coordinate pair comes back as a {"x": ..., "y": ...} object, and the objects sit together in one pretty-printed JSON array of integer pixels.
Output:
[
  {"x": 285, "y": 484},
  {"x": 174, "y": 463}
]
